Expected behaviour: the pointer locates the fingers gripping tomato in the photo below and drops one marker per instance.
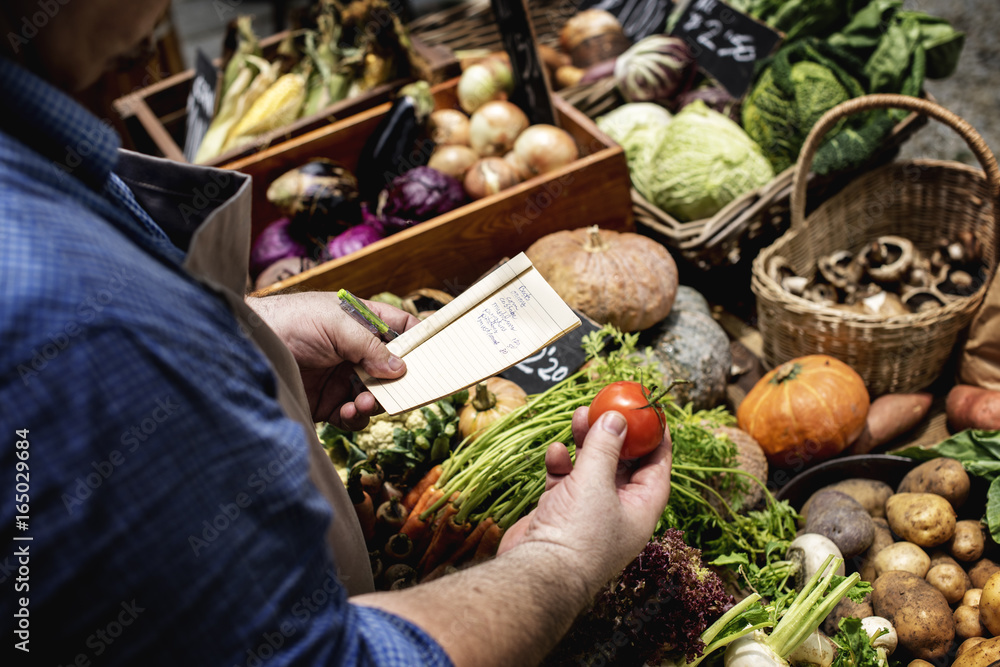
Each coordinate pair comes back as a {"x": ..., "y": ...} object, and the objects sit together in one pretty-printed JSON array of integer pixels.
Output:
[{"x": 645, "y": 418}]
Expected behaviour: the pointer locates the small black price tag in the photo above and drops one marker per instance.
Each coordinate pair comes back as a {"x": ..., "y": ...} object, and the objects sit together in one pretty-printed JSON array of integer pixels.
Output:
[
  {"x": 531, "y": 85},
  {"x": 639, "y": 18},
  {"x": 552, "y": 363},
  {"x": 725, "y": 42},
  {"x": 200, "y": 104}
]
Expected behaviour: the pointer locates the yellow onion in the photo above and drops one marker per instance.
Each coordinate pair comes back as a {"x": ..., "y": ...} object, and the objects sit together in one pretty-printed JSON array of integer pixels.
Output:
[
  {"x": 542, "y": 148},
  {"x": 494, "y": 127},
  {"x": 490, "y": 79},
  {"x": 448, "y": 127},
  {"x": 453, "y": 160},
  {"x": 489, "y": 176}
]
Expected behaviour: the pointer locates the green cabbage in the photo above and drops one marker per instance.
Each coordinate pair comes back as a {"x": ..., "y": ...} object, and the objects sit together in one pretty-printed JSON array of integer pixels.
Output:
[
  {"x": 800, "y": 85},
  {"x": 697, "y": 164},
  {"x": 623, "y": 122}
]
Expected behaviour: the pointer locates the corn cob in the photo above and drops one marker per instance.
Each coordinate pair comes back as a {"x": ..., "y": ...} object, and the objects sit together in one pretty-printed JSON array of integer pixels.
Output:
[
  {"x": 252, "y": 80},
  {"x": 278, "y": 106}
]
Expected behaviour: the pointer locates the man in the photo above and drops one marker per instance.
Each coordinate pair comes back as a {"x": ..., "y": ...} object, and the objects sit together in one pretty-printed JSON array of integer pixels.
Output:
[{"x": 177, "y": 507}]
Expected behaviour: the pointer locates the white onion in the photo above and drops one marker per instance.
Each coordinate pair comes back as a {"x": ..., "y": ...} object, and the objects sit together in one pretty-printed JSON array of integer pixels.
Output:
[
  {"x": 494, "y": 127},
  {"x": 453, "y": 160},
  {"x": 542, "y": 148}
]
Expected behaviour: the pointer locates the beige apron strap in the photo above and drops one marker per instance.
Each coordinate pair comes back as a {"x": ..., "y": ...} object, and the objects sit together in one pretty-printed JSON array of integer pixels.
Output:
[{"x": 218, "y": 255}]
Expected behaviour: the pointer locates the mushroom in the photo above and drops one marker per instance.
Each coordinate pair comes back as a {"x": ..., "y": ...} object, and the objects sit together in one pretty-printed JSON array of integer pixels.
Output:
[
  {"x": 821, "y": 294},
  {"x": 778, "y": 269},
  {"x": 888, "y": 258},
  {"x": 795, "y": 285},
  {"x": 957, "y": 284},
  {"x": 840, "y": 269},
  {"x": 923, "y": 299},
  {"x": 885, "y": 304}
]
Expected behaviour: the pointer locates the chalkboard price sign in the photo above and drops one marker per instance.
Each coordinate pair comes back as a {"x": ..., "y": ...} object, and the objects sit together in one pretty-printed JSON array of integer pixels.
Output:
[
  {"x": 531, "y": 87},
  {"x": 726, "y": 43},
  {"x": 552, "y": 363},
  {"x": 200, "y": 104}
]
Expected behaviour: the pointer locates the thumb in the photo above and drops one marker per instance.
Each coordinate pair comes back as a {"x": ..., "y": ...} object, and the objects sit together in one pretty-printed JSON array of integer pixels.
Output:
[
  {"x": 379, "y": 362},
  {"x": 602, "y": 446}
]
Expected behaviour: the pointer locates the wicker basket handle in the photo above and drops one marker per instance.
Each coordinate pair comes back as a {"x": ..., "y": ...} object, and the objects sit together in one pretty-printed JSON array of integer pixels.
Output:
[{"x": 889, "y": 101}]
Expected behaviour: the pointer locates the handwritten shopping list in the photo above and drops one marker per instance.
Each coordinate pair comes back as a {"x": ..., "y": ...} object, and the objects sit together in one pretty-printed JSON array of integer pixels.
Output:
[{"x": 498, "y": 322}]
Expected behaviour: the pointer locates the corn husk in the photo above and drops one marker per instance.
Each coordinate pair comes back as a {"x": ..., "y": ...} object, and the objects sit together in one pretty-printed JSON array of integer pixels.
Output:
[{"x": 279, "y": 105}]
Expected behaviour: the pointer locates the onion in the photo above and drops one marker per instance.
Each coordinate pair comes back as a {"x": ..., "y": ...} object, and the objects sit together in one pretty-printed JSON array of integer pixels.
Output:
[
  {"x": 494, "y": 127},
  {"x": 490, "y": 79},
  {"x": 542, "y": 148},
  {"x": 591, "y": 36},
  {"x": 274, "y": 243},
  {"x": 282, "y": 269},
  {"x": 653, "y": 69},
  {"x": 355, "y": 238},
  {"x": 489, "y": 176},
  {"x": 515, "y": 161},
  {"x": 449, "y": 127},
  {"x": 453, "y": 160}
]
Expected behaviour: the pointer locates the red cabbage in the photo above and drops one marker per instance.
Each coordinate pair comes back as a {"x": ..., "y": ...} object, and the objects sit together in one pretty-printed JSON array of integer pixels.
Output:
[
  {"x": 419, "y": 194},
  {"x": 654, "y": 69},
  {"x": 355, "y": 238},
  {"x": 274, "y": 243}
]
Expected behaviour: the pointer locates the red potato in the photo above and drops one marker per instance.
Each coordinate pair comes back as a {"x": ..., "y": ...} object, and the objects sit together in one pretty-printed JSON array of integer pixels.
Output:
[
  {"x": 973, "y": 407},
  {"x": 889, "y": 417}
]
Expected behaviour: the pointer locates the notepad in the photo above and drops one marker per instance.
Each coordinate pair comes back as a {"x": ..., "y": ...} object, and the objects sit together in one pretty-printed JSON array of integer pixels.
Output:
[{"x": 501, "y": 320}]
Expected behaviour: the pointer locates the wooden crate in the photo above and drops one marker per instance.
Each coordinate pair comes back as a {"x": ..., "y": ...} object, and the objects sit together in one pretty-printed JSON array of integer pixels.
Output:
[
  {"x": 155, "y": 117},
  {"x": 451, "y": 251}
]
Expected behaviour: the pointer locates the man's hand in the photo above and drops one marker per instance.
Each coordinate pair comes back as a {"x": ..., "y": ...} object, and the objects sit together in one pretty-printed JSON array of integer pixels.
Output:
[
  {"x": 327, "y": 343},
  {"x": 602, "y": 511}
]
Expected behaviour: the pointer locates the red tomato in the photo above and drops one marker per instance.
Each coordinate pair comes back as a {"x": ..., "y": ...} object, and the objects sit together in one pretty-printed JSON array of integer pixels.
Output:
[{"x": 645, "y": 421}]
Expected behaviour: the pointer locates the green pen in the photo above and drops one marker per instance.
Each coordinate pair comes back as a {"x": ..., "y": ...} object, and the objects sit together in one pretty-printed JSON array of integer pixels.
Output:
[{"x": 364, "y": 316}]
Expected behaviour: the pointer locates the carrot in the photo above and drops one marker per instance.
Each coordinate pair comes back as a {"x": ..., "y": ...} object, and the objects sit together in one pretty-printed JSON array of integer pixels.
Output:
[
  {"x": 472, "y": 541},
  {"x": 414, "y": 527},
  {"x": 447, "y": 537},
  {"x": 488, "y": 545},
  {"x": 366, "y": 515},
  {"x": 428, "y": 480},
  {"x": 390, "y": 517}
]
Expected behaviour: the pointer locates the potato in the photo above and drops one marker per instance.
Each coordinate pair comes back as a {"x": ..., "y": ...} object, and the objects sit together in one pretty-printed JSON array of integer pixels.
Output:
[
  {"x": 883, "y": 538},
  {"x": 919, "y": 663},
  {"x": 871, "y": 493},
  {"x": 943, "y": 476},
  {"x": 844, "y": 609},
  {"x": 973, "y": 407},
  {"x": 890, "y": 416},
  {"x": 918, "y": 611},
  {"x": 967, "y": 644},
  {"x": 971, "y": 597},
  {"x": 836, "y": 515},
  {"x": 926, "y": 519},
  {"x": 982, "y": 654},
  {"x": 989, "y": 604},
  {"x": 950, "y": 579},
  {"x": 902, "y": 557},
  {"x": 968, "y": 542},
  {"x": 967, "y": 623},
  {"x": 981, "y": 571}
]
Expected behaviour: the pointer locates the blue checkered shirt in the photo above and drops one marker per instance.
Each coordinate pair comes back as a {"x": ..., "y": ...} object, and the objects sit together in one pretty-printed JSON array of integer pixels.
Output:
[{"x": 171, "y": 516}]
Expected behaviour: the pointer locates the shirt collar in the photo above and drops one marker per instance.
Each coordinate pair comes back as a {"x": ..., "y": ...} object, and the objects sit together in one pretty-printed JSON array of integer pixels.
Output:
[{"x": 53, "y": 124}]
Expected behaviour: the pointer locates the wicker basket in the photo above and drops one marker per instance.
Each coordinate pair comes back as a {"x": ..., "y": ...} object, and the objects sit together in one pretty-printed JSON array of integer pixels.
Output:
[{"x": 921, "y": 200}]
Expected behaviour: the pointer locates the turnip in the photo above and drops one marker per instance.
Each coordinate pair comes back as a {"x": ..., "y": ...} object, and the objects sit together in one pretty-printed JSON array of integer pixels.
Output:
[{"x": 797, "y": 625}]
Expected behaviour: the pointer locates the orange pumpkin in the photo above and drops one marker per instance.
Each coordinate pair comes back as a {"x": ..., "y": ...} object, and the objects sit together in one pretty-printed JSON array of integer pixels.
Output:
[{"x": 805, "y": 410}]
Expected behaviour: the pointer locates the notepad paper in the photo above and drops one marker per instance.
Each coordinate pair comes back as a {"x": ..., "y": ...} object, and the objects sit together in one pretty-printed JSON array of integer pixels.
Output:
[{"x": 501, "y": 320}]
